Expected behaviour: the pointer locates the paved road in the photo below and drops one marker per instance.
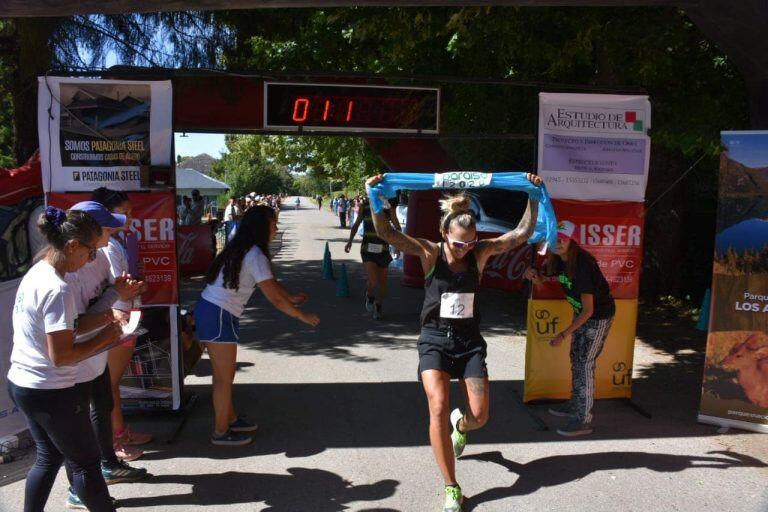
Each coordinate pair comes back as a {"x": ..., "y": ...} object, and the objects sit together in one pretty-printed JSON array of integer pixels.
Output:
[{"x": 343, "y": 419}]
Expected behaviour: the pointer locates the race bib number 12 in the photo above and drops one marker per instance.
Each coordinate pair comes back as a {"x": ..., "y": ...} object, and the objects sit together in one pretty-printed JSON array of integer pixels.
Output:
[
  {"x": 457, "y": 305},
  {"x": 463, "y": 179}
]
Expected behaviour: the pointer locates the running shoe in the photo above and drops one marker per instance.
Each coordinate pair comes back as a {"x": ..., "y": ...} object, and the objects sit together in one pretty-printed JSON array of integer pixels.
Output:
[
  {"x": 369, "y": 303},
  {"x": 74, "y": 502},
  {"x": 459, "y": 438},
  {"x": 564, "y": 410},
  {"x": 575, "y": 428},
  {"x": 241, "y": 424},
  {"x": 230, "y": 438},
  {"x": 127, "y": 453},
  {"x": 129, "y": 437},
  {"x": 122, "y": 473},
  {"x": 453, "y": 499},
  {"x": 377, "y": 311}
]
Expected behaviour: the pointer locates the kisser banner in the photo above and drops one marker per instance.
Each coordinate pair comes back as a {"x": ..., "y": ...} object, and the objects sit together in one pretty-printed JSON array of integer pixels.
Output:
[
  {"x": 594, "y": 146},
  {"x": 548, "y": 369},
  {"x": 154, "y": 223},
  {"x": 735, "y": 385},
  {"x": 612, "y": 232},
  {"x": 100, "y": 132}
]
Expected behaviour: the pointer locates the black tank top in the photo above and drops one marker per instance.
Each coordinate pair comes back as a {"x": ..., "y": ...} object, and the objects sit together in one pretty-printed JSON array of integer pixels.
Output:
[
  {"x": 369, "y": 231},
  {"x": 442, "y": 280}
]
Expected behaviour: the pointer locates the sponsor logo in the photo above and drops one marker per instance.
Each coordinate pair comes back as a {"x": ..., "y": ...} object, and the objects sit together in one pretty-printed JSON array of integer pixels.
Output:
[
  {"x": 595, "y": 119},
  {"x": 622, "y": 374},
  {"x": 546, "y": 322},
  {"x": 186, "y": 248}
]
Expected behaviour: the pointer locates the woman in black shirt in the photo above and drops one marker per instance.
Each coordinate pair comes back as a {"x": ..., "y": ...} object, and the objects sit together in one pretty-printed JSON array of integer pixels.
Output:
[
  {"x": 590, "y": 297},
  {"x": 376, "y": 257},
  {"x": 451, "y": 345}
]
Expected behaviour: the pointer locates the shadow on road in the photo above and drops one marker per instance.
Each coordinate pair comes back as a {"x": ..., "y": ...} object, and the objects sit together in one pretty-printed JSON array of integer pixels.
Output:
[
  {"x": 302, "y": 489},
  {"x": 561, "y": 469}
]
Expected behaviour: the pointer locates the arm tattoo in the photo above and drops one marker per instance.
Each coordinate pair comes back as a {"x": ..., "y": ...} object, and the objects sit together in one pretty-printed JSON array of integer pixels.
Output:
[{"x": 398, "y": 239}]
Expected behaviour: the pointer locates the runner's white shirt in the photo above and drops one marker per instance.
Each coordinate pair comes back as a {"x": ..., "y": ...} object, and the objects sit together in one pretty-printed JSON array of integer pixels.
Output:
[
  {"x": 44, "y": 304},
  {"x": 255, "y": 269},
  {"x": 89, "y": 283}
]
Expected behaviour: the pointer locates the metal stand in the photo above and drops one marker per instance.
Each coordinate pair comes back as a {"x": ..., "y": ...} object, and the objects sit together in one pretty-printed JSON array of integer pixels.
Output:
[
  {"x": 540, "y": 425},
  {"x": 185, "y": 412},
  {"x": 635, "y": 407}
]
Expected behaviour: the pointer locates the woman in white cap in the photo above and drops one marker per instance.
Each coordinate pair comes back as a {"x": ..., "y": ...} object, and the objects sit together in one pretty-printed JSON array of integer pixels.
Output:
[{"x": 590, "y": 297}]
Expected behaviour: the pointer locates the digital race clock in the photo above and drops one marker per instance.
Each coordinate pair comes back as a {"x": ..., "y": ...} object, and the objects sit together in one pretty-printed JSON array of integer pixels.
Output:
[{"x": 352, "y": 108}]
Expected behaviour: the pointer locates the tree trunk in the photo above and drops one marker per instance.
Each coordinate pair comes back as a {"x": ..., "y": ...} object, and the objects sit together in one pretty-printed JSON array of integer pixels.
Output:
[{"x": 33, "y": 58}]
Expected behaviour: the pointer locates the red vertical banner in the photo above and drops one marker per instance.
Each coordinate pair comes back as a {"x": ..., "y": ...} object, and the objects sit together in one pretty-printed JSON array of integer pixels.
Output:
[
  {"x": 196, "y": 249},
  {"x": 154, "y": 223},
  {"x": 612, "y": 232}
]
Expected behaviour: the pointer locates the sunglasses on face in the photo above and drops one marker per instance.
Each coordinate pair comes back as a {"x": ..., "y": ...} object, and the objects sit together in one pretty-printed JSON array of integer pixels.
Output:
[{"x": 458, "y": 244}]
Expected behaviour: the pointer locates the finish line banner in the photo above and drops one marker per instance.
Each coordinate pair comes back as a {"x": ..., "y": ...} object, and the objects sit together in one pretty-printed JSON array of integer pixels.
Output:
[
  {"x": 98, "y": 133},
  {"x": 548, "y": 369},
  {"x": 594, "y": 146},
  {"x": 735, "y": 385}
]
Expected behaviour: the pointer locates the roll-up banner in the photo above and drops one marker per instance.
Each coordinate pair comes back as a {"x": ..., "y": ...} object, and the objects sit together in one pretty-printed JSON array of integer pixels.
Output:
[
  {"x": 98, "y": 133},
  {"x": 594, "y": 146},
  {"x": 735, "y": 385},
  {"x": 548, "y": 369},
  {"x": 11, "y": 419},
  {"x": 594, "y": 153}
]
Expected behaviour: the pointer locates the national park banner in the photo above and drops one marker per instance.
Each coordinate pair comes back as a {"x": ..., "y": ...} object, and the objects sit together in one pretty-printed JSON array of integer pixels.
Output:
[
  {"x": 97, "y": 133},
  {"x": 735, "y": 385}
]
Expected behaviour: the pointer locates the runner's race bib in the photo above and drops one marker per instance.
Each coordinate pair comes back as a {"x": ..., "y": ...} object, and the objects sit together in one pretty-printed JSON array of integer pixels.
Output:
[
  {"x": 374, "y": 248},
  {"x": 457, "y": 305},
  {"x": 462, "y": 179}
]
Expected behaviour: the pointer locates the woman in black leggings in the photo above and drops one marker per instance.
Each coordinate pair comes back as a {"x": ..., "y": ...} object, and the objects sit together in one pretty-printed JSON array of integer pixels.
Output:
[{"x": 44, "y": 360}]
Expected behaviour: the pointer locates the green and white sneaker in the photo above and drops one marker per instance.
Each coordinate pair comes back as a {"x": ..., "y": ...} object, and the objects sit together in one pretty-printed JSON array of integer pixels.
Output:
[
  {"x": 459, "y": 439},
  {"x": 453, "y": 499}
]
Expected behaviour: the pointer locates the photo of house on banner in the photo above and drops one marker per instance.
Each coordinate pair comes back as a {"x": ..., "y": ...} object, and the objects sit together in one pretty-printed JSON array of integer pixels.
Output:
[{"x": 105, "y": 125}]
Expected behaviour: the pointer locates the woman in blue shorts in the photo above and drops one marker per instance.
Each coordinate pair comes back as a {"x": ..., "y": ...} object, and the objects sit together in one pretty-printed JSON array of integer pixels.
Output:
[{"x": 243, "y": 265}]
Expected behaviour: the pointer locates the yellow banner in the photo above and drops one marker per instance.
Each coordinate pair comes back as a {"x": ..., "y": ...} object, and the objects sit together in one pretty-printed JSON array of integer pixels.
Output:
[{"x": 548, "y": 369}]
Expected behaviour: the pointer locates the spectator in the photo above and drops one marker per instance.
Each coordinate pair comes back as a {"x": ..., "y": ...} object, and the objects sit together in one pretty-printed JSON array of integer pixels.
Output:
[
  {"x": 232, "y": 213},
  {"x": 342, "y": 208},
  {"x": 197, "y": 208}
]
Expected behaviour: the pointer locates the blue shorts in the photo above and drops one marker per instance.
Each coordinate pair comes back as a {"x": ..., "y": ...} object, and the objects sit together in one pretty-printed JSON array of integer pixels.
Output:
[{"x": 214, "y": 324}]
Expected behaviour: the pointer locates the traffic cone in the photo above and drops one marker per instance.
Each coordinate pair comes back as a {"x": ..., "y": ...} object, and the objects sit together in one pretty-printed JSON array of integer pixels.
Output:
[
  {"x": 703, "y": 324},
  {"x": 342, "y": 289},
  {"x": 327, "y": 263}
]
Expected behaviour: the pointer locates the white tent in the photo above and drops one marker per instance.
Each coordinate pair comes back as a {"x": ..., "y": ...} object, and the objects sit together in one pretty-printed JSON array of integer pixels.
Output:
[{"x": 190, "y": 179}]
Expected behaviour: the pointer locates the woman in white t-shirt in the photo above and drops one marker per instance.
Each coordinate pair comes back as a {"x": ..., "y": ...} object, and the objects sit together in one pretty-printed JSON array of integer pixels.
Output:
[
  {"x": 243, "y": 265},
  {"x": 44, "y": 363}
]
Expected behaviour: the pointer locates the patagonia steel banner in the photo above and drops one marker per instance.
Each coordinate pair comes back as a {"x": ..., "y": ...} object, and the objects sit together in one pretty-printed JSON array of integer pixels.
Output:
[
  {"x": 97, "y": 133},
  {"x": 735, "y": 385}
]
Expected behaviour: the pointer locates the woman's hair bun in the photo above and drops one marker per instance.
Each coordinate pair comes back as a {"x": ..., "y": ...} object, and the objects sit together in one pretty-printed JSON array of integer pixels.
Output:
[
  {"x": 55, "y": 216},
  {"x": 455, "y": 204}
]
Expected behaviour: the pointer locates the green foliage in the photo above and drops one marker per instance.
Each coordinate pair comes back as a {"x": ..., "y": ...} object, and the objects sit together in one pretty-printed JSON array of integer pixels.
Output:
[{"x": 247, "y": 168}]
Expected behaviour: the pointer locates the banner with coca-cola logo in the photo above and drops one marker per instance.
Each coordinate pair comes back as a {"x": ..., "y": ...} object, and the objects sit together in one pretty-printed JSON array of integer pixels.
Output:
[
  {"x": 153, "y": 221},
  {"x": 505, "y": 271},
  {"x": 196, "y": 249},
  {"x": 612, "y": 232}
]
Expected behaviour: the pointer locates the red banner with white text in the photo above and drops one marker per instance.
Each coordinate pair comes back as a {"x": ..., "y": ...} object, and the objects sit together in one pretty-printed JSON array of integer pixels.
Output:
[
  {"x": 612, "y": 232},
  {"x": 154, "y": 223}
]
